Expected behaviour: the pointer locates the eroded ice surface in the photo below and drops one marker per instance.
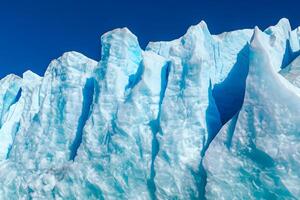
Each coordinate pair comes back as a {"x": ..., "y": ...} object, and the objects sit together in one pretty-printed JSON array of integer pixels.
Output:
[
  {"x": 256, "y": 154},
  {"x": 200, "y": 117},
  {"x": 292, "y": 72}
]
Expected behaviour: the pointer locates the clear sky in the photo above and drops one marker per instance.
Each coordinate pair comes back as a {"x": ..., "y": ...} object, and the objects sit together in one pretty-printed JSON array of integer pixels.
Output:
[{"x": 33, "y": 32}]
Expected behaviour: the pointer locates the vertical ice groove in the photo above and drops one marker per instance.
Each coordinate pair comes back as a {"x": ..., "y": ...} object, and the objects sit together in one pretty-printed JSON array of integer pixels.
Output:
[
  {"x": 88, "y": 95},
  {"x": 9, "y": 89},
  {"x": 213, "y": 123},
  {"x": 213, "y": 120},
  {"x": 135, "y": 78},
  {"x": 211, "y": 57},
  {"x": 203, "y": 182},
  {"x": 229, "y": 94},
  {"x": 156, "y": 128},
  {"x": 181, "y": 114}
]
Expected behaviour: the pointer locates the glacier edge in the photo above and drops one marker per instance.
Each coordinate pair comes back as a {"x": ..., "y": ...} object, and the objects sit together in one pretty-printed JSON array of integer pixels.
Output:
[{"x": 157, "y": 123}]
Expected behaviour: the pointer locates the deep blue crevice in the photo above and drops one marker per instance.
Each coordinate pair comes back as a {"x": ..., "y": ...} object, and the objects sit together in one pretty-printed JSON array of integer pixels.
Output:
[
  {"x": 202, "y": 181},
  {"x": 18, "y": 96},
  {"x": 288, "y": 55},
  {"x": 155, "y": 128},
  {"x": 96, "y": 91},
  {"x": 225, "y": 101},
  {"x": 213, "y": 121},
  {"x": 184, "y": 73},
  {"x": 135, "y": 78},
  {"x": 200, "y": 178},
  {"x": 164, "y": 83},
  {"x": 88, "y": 95},
  {"x": 14, "y": 101},
  {"x": 213, "y": 126},
  {"x": 229, "y": 94}
]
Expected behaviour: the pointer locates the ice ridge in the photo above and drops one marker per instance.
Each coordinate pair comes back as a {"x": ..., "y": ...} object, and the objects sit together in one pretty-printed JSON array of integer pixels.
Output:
[{"x": 200, "y": 117}]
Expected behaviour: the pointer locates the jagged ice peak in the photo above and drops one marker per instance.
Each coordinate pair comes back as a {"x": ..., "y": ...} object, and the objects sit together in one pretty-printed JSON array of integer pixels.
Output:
[{"x": 200, "y": 117}]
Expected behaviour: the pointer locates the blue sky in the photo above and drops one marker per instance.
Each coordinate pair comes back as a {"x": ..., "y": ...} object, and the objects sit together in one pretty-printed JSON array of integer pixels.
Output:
[{"x": 34, "y": 32}]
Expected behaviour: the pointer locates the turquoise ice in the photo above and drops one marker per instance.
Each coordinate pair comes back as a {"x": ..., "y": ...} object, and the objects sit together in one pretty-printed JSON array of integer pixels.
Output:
[{"x": 200, "y": 117}]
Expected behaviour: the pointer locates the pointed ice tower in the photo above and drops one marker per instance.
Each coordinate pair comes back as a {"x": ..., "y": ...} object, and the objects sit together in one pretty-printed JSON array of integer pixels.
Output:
[
  {"x": 116, "y": 154},
  {"x": 256, "y": 154}
]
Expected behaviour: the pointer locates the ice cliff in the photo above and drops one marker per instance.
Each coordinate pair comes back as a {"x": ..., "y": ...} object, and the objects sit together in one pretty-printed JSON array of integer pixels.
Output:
[{"x": 200, "y": 117}]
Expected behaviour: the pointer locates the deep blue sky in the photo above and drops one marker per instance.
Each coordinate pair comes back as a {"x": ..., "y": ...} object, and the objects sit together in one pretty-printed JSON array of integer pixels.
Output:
[{"x": 33, "y": 32}]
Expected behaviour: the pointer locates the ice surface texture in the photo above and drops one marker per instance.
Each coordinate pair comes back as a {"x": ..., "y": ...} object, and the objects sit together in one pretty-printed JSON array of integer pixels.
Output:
[{"x": 201, "y": 117}]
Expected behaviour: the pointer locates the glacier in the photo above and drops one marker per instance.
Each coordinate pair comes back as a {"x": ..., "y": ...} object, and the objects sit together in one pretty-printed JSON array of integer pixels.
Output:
[{"x": 200, "y": 117}]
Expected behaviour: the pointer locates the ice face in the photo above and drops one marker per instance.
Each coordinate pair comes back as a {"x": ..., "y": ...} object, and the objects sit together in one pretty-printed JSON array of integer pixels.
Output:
[
  {"x": 43, "y": 123},
  {"x": 197, "y": 64},
  {"x": 200, "y": 117},
  {"x": 258, "y": 149},
  {"x": 9, "y": 90}
]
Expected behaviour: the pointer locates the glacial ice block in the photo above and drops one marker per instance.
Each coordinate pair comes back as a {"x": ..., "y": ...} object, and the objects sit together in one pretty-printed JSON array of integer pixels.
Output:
[
  {"x": 119, "y": 133},
  {"x": 190, "y": 115},
  {"x": 258, "y": 150},
  {"x": 9, "y": 90},
  {"x": 44, "y": 122},
  {"x": 200, "y": 117}
]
